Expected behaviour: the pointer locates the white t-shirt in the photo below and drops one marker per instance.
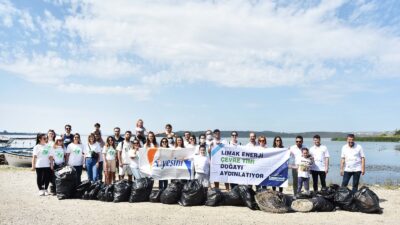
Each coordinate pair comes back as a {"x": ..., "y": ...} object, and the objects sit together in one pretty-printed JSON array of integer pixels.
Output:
[
  {"x": 76, "y": 152},
  {"x": 304, "y": 167},
  {"x": 295, "y": 153},
  {"x": 58, "y": 154},
  {"x": 234, "y": 144},
  {"x": 201, "y": 164},
  {"x": 92, "y": 148},
  {"x": 42, "y": 153},
  {"x": 251, "y": 145},
  {"x": 110, "y": 152},
  {"x": 319, "y": 154},
  {"x": 125, "y": 151},
  {"x": 352, "y": 157},
  {"x": 134, "y": 158}
]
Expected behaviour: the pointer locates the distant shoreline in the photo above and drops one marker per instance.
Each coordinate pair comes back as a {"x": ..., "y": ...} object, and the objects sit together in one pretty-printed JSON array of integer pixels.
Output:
[{"x": 371, "y": 139}]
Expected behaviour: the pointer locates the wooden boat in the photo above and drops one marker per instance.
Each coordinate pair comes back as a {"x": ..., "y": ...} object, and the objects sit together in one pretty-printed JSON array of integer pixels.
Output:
[{"x": 20, "y": 158}]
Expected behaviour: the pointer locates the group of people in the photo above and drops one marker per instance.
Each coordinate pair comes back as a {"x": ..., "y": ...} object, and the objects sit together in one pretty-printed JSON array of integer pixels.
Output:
[{"x": 118, "y": 155}]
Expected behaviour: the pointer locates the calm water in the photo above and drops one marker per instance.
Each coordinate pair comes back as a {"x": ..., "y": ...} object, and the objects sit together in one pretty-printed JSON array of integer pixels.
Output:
[{"x": 382, "y": 160}]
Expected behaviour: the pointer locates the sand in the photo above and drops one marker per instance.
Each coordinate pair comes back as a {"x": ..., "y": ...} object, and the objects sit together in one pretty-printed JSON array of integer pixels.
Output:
[{"x": 20, "y": 204}]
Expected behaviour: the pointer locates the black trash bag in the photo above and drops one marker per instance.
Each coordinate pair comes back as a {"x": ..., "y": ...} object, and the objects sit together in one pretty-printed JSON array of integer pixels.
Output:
[
  {"x": 86, "y": 195},
  {"x": 172, "y": 193},
  {"x": 247, "y": 194},
  {"x": 305, "y": 195},
  {"x": 101, "y": 193},
  {"x": 109, "y": 193},
  {"x": 98, "y": 185},
  {"x": 155, "y": 195},
  {"x": 232, "y": 197},
  {"x": 141, "y": 190},
  {"x": 66, "y": 178},
  {"x": 344, "y": 198},
  {"x": 82, "y": 188},
  {"x": 273, "y": 201},
  {"x": 193, "y": 193},
  {"x": 328, "y": 192},
  {"x": 320, "y": 204},
  {"x": 122, "y": 190},
  {"x": 367, "y": 201},
  {"x": 214, "y": 197}
]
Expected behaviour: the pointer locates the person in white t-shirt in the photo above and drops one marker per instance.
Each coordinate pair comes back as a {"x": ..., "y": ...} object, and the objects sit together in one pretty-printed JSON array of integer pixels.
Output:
[
  {"x": 164, "y": 143},
  {"x": 202, "y": 167},
  {"x": 192, "y": 142},
  {"x": 92, "y": 157},
  {"x": 109, "y": 156},
  {"x": 262, "y": 144},
  {"x": 320, "y": 167},
  {"x": 123, "y": 156},
  {"x": 218, "y": 141},
  {"x": 140, "y": 131},
  {"x": 58, "y": 152},
  {"x": 252, "y": 142},
  {"x": 186, "y": 139},
  {"x": 151, "y": 141},
  {"x": 352, "y": 163},
  {"x": 74, "y": 155},
  {"x": 234, "y": 139},
  {"x": 202, "y": 141},
  {"x": 99, "y": 140},
  {"x": 304, "y": 165},
  {"x": 295, "y": 153},
  {"x": 42, "y": 163},
  {"x": 51, "y": 135},
  {"x": 278, "y": 143},
  {"x": 134, "y": 155}
]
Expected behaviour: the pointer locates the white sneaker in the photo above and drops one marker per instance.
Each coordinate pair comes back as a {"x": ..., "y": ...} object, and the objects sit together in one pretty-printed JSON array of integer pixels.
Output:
[
  {"x": 41, "y": 193},
  {"x": 45, "y": 193}
]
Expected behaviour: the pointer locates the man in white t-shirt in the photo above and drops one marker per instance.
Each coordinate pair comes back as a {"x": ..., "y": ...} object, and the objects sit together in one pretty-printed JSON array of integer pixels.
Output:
[
  {"x": 123, "y": 156},
  {"x": 295, "y": 154},
  {"x": 320, "y": 167},
  {"x": 352, "y": 163},
  {"x": 216, "y": 141},
  {"x": 252, "y": 142}
]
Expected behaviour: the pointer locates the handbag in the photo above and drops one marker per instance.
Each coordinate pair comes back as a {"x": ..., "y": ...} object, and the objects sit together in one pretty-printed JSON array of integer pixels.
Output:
[{"x": 94, "y": 155}]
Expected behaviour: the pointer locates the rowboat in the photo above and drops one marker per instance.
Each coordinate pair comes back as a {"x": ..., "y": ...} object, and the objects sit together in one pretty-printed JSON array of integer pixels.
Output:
[{"x": 19, "y": 158}]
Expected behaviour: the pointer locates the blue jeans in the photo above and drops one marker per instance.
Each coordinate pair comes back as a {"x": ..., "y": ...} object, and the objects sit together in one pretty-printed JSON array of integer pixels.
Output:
[
  {"x": 301, "y": 181},
  {"x": 100, "y": 172},
  {"x": 91, "y": 168},
  {"x": 136, "y": 173},
  {"x": 78, "y": 174},
  {"x": 356, "y": 179}
]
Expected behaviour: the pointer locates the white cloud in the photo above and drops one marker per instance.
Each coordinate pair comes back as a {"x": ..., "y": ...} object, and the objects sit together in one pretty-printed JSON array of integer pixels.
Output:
[{"x": 226, "y": 43}]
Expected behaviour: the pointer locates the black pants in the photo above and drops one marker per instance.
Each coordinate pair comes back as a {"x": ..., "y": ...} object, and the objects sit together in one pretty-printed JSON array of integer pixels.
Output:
[
  {"x": 43, "y": 176},
  {"x": 322, "y": 177}
]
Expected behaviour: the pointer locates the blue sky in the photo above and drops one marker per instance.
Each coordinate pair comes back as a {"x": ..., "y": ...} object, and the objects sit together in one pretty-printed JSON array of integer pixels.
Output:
[{"x": 288, "y": 66}]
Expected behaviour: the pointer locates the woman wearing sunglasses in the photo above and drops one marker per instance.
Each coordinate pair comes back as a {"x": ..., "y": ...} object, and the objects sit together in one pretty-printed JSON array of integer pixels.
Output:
[
  {"x": 162, "y": 184},
  {"x": 134, "y": 163},
  {"x": 278, "y": 143},
  {"x": 42, "y": 163},
  {"x": 58, "y": 152},
  {"x": 110, "y": 154}
]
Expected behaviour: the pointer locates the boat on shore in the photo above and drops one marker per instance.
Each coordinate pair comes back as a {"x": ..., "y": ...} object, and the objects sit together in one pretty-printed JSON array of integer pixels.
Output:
[{"x": 19, "y": 158}]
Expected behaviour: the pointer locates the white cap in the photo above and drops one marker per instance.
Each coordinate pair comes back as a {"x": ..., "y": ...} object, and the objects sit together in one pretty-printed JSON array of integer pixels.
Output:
[{"x": 58, "y": 138}]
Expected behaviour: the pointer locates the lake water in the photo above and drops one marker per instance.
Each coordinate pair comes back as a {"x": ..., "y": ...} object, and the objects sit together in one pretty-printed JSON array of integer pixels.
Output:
[{"x": 382, "y": 160}]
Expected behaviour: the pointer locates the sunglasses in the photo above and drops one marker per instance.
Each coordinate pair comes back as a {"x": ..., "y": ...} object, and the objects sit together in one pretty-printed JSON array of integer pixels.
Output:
[
  {"x": 261, "y": 140},
  {"x": 68, "y": 128},
  {"x": 299, "y": 141},
  {"x": 135, "y": 143},
  {"x": 164, "y": 141},
  {"x": 76, "y": 137}
]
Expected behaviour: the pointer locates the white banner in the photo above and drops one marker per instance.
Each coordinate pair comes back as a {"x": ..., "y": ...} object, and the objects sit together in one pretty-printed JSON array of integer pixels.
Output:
[
  {"x": 250, "y": 165},
  {"x": 167, "y": 163}
]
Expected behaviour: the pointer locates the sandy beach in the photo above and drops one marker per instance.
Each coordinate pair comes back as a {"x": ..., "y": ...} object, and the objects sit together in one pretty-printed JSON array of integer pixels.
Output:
[{"x": 20, "y": 204}]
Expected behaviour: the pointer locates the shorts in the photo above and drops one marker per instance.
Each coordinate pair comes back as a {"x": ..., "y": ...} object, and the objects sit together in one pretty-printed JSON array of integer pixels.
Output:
[
  {"x": 125, "y": 169},
  {"x": 111, "y": 166}
]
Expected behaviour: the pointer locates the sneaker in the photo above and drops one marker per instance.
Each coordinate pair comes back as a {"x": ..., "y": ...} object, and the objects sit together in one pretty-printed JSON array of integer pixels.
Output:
[
  {"x": 45, "y": 193},
  {"x": 41, "y": 193}
]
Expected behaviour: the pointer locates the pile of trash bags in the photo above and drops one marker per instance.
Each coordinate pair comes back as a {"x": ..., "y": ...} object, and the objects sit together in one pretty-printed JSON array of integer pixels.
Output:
[
  {"x": 193, "y": 193},
  {"x": 335, "y": 197}
]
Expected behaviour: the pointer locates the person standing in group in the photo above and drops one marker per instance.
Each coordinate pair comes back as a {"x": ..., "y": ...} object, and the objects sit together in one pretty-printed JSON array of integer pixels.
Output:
[
  {"x": 305, "y": 163},
  {"x": 217, "y": 141},
  {"x": 252, "y": 142},
  {"x": 110, "y": 155},
  {"x": 295, "y": 153},
  {"x": 179, "y": 143},
  {"x": 320, "y": 167},
  {"x": 42, "y": 163},
  {"x": 97, "y": 128},
  {"x": 58, "y": 152},
  {"x": 234, "y": 139},
  {"x": 123, "y": 156},
  {"x": 134, "y": 155},
  {"x": 100, "y": 141},
  {"x": 278, "y": 143},
  {"x": 140, "y": 131},
  {"x": 186, "y": 139},
  {"x": 151, "y": 141},
  {"x": 202, "y": 141},
  {"x": 192, "y": 142},
  {"x": 117, "y": 139},
  {"x": 74, "y": 155},
  {"x": 209, "y": 138},
  {"x": 51, "y": 136},
  {"x": 202, "y": 167},
  {"x": 262, "y": 144},
  {"x": 169, "y": 134},
  {"x": 92, "y": 157},
  {"x": 162, "y": 184},
  {"x": 68, "y": 137},
  {"x": 352, "y": 163}
]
